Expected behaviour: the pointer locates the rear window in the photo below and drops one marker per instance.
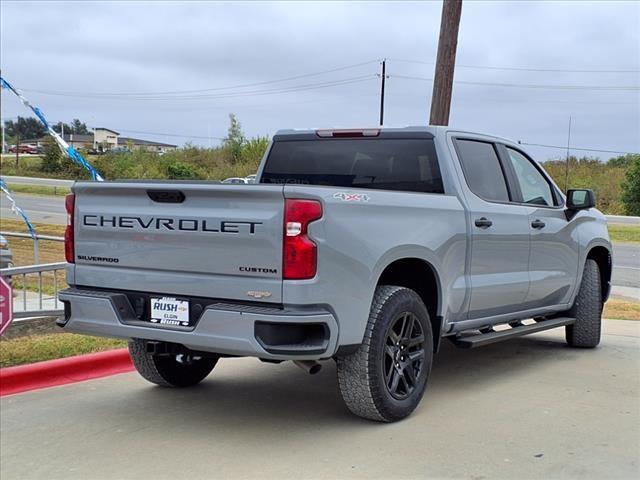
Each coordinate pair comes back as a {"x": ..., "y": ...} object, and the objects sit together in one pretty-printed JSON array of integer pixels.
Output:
[
  {"x": 482, "y": 170},
  {"x": 386, "y": 164}
]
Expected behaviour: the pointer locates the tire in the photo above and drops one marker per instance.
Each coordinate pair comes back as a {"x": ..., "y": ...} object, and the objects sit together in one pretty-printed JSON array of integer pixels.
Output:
[
  {"x": 367, "y": 376},
  {"x": 166, "y": 370},
  {"x": 587, "y": 310}
]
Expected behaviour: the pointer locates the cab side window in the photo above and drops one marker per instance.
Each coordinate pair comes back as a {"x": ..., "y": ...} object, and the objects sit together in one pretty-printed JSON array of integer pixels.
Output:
[
  {"x": 536, "y": 190},
  {"x": 482, "y": 170}
]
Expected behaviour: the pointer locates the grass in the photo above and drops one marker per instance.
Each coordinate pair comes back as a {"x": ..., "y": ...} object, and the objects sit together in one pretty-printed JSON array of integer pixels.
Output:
[
  {"x": 624, "y": 233},
  {"x": 621, "y": 310},
  {"x": 50, "y": 252},
  {"x": 29, "y": 166},
  {"x": 38, "y": 348},
  {"x": 38, "y": 189}
]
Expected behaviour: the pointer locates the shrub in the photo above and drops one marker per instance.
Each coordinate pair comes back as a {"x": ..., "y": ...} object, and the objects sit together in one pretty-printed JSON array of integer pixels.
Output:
[
  {"x": 604, "y": 179},
  {"x": 181, "y": 171},
  {"x": 631, "y": 189},
  {"x": 253, "y": 151},
  {"x": 52, "y": 158}
]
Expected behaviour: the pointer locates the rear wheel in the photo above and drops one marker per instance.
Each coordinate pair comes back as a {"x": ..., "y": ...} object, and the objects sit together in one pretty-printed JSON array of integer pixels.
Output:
[
  {"x": 385, "y": 379},
  {"x": 587, "y": 309},
  {"x": 175, "y": 370}
]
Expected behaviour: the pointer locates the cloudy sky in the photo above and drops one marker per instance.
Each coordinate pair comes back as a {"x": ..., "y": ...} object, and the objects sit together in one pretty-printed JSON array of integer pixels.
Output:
[{"x": 180, "y": 68}]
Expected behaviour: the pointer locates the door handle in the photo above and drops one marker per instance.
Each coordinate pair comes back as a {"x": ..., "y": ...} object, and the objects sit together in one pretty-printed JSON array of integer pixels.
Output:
[
  {"x": 538, "y": 224},
  {"x": 483, "y": 222}
]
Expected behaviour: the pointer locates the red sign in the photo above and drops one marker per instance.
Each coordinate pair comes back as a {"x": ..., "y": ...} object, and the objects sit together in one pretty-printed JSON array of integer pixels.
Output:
[{"x": 6, "y": 305}]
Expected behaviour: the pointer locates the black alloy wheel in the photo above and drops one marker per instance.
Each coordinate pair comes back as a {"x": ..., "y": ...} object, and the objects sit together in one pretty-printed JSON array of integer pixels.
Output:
[{"x": 403, "y": 355}]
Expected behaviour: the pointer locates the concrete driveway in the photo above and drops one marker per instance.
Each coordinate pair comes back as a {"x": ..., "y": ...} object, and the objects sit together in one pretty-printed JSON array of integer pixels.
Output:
[{"x": 528, "y": 408}]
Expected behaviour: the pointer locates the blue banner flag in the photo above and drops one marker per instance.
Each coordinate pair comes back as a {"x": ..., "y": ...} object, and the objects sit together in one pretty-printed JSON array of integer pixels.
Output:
[
  {"x": 16, "y": 209},
  {"x": 68, "y": 150}
]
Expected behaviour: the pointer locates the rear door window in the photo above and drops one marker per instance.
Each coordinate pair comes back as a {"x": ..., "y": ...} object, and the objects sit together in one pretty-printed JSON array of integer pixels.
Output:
[
  {"x": 482, "y": 169},
  {"x": 386, "y": 164}
]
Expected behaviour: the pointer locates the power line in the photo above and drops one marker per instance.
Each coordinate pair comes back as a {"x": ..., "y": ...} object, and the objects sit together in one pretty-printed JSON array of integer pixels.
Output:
[
  {"x": 171, "y": 134},
  {"x": 181, "y": 92},
  {"x": 520, "y": 69},
  {"x": 529, "y": 85},
  {"x": 577, "y": 148},
  {"x": 273, "y": 91}
]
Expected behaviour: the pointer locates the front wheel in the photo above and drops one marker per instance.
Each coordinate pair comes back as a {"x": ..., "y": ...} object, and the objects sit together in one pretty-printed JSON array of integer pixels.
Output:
[
  {"x": 169, "y": 370},
  {"x": 587, "y": 310},
  {"x": 384, "y": 380}
]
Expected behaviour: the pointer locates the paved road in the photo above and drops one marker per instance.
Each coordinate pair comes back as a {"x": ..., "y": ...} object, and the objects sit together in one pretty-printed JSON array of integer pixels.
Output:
[
  {"x": 528, "y": 408},
  {"x": 51, "y": 182},
  {"x": 626, "y": 261},
  {"x": 39, "y": 208}
]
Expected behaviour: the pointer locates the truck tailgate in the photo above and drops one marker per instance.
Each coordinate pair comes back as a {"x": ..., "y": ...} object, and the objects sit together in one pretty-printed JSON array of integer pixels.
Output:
[{"x": 197, "y": 239}]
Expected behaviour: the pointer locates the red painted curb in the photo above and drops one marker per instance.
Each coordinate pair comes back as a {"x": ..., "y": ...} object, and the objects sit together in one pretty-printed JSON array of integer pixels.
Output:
[{"x": 51, "y": 373}]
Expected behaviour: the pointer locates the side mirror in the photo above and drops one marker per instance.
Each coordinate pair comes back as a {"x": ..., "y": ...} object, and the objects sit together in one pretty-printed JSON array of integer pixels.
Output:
[{"x": 580, "y": 199}]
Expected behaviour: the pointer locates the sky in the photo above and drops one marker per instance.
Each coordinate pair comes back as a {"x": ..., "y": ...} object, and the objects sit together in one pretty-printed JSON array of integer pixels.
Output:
[{"x": 173, "y": 71}]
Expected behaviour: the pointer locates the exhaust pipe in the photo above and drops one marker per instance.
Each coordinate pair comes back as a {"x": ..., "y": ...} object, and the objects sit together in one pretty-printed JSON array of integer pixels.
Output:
[{"x": 310, "y": 366}]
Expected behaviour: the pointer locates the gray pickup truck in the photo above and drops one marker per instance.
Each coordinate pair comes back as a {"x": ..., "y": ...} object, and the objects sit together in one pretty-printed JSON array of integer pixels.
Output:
[{"x": 366, "y": 246}]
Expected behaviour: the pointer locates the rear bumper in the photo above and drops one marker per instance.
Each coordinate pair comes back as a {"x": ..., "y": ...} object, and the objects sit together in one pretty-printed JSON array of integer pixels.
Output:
[{"x": 272, "y": 333}]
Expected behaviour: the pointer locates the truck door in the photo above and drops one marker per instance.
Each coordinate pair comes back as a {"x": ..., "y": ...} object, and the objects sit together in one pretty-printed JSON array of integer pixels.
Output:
[
  {"x": 499, "y": 230},
  {"x": 553, "y": 263}
]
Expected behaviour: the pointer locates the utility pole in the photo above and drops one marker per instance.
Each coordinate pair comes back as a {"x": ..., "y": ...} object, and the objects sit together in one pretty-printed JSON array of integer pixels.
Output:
[
  {"x": 445, "y": 62},
  {"x": 383, "y": 77},
  {"x": 566, "y": 171}
]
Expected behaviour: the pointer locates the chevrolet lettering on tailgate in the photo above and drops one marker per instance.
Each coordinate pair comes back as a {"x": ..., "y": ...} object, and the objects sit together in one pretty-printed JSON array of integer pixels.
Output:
[{"x": 181, "y": 224}]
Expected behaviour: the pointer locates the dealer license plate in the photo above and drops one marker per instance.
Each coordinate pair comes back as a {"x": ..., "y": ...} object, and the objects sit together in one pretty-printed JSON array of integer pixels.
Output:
[{"x": 170, "y": 311}]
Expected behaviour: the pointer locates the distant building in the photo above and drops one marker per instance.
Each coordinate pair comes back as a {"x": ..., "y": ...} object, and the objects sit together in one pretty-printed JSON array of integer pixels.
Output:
[
  {"x": 147, "y": 145},
  {"x": 77, "y": 140},
  {"x": 104, "y": 139}
]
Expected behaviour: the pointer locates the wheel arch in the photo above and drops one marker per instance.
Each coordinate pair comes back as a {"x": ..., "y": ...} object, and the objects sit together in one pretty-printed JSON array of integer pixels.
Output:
[
  {"x": 602, "y": 256},
  {"x": 420, "y": 276}
]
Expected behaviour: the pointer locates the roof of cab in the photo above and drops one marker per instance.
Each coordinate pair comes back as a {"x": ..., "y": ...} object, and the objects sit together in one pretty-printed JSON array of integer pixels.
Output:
[{"x": 429, "y": 131}]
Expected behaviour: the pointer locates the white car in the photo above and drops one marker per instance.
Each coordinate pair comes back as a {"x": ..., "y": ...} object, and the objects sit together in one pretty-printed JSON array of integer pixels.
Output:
[{"x": 236, "y": 181}]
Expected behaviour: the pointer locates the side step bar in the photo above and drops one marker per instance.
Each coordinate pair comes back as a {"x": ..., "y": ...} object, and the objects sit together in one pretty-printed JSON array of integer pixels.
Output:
[{"x": 492, "y": 336}]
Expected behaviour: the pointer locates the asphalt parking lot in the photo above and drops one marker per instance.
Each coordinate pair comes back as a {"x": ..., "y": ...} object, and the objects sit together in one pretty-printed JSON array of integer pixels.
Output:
[{"x": 527, "y": 408}]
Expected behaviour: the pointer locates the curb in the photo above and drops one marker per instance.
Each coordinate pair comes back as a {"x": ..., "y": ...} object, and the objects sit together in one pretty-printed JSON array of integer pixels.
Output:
[{"x": 62, "y": 371}]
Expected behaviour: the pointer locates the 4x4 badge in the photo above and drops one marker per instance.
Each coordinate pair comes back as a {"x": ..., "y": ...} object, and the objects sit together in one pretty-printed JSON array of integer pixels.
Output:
[{"x": 351, "y": 197}]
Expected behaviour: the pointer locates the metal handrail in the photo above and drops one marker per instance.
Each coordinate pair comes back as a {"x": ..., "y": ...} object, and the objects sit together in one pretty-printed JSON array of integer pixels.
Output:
[
  {"x": 37, "y": 236},
  {"x": 44, "y": 267},
  {"x": 36, "y": 269},
  {"x": 36, "y": 241}
]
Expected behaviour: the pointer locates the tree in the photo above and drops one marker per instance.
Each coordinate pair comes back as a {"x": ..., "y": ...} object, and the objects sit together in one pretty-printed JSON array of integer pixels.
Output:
[
  {"x": 235, "y": 139},
  {"x": 24, "y": 128},
  {"x": 623, "y": 160},
  {"x": 79, "y": 127},
  {"x": 76, "y": 127},
  {"x": 631, "y": 188},
  {"x": 52, "y": 158}
]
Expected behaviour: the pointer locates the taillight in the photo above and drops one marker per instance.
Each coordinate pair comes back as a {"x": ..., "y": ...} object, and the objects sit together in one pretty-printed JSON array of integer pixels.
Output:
[
  {"x": 69, "y": 251},
  {"x": 299, "y": 251}
]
